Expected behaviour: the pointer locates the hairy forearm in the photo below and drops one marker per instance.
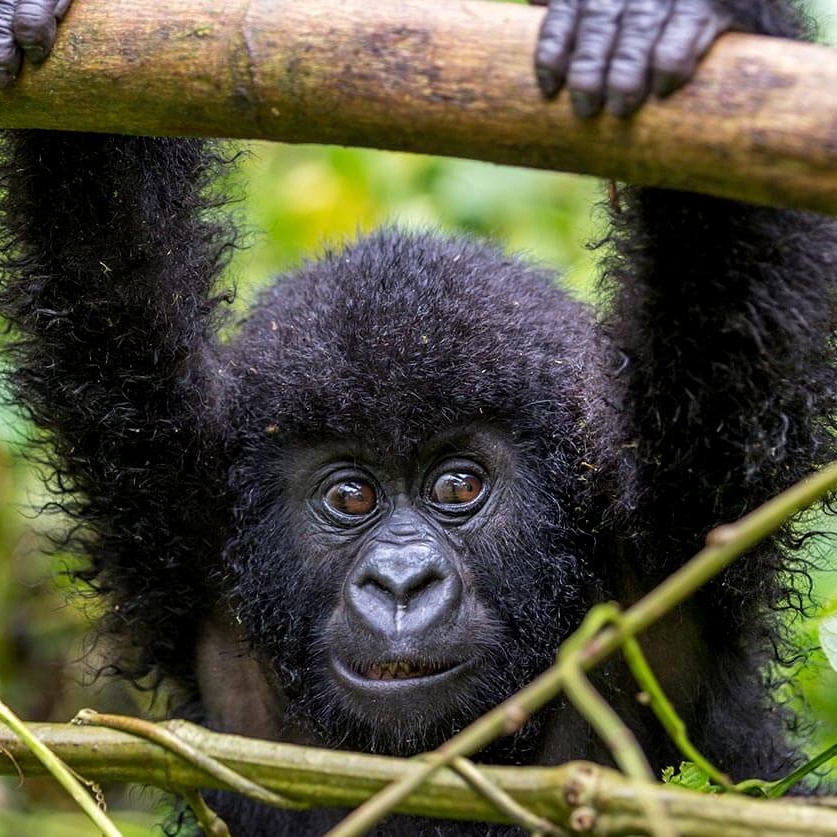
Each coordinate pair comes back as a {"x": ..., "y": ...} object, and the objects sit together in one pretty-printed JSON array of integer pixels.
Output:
[
  {"x": 725, "y": 312},
  {"x": 108, "y": 265},
  {"x": 106, "y": 273}
]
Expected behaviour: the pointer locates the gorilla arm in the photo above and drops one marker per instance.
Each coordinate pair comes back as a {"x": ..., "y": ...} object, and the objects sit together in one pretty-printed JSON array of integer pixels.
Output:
[
  {"x": 725, "y": 314},
  {"x": 108, "y": 265}
]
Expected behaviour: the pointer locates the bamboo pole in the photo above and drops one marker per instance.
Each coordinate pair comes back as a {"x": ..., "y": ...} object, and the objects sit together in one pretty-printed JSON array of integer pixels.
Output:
[
  {"x": 578, "y": 796},
  {"x": 759, "y": 122}
]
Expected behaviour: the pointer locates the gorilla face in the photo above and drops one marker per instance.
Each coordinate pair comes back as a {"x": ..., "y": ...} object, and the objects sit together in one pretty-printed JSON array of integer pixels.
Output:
[
  {"x": 410, "y": 497},
  {"x": 399, "y": 600}
]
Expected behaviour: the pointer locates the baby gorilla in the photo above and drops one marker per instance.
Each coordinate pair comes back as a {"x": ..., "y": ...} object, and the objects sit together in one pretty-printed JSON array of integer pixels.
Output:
[{"x": 376, "y": 511}]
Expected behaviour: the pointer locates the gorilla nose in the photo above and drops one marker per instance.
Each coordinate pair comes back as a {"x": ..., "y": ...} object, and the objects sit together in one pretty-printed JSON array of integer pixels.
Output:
[{"x": 403, "y": 589}]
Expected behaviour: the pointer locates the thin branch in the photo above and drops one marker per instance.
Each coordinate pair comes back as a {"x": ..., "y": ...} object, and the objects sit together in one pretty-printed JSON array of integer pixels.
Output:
[
  {"x": 779, "y": 787},
  {"x": 167, "y": 737},
  {"x": 621, "y": 742},
  {"x": 211, "y": 824},
  {"x": 665, "y": 713},
  {"x": 493, "y": 793},
  {"x": 57, "y": 768},
  {"x": 454, "y": 78}
]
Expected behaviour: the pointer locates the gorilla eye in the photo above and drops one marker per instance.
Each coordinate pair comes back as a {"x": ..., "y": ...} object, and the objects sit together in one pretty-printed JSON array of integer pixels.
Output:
[
  {"x": 456, "y": 488},
  {"x": 351, "y": 497}
]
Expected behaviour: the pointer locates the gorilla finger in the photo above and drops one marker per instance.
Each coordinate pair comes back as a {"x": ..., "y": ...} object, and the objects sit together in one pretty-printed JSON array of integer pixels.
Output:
[
  {"x": 61, "y": 8},
  {"x": 10, "y": 55},
  {"x": 691, "y": 30},
  {"x": 629, "y": 76},
  {"x": 587, "y": 76},
  {"x": 555, "y": 41},
  {"x": 35, "y": 27}
]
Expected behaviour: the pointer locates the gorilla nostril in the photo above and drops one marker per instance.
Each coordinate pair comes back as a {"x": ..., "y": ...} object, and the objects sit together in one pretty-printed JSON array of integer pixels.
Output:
[
  {"x": 380, "y": 588},
  {"x": 401, "y": 579},
  {"x": 375, "y": 585}
]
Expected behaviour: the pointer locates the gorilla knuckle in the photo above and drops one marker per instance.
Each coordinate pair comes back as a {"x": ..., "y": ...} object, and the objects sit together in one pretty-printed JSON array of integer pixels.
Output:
[
  {"x": 673, "y": 59},
  {"x": 33, "y": 19}
]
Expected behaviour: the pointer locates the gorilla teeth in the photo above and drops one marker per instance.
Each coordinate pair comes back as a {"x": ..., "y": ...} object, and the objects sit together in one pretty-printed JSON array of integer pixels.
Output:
[{"x": 398, "y": 670}]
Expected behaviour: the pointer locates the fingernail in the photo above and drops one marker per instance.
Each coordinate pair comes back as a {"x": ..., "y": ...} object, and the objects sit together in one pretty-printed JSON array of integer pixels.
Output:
[
  {"x": 548, "y": 83},
  {"x": 586, "y": 104},
  {"x": 35, "y": 54},
  {"x": 623, "y": 104}
]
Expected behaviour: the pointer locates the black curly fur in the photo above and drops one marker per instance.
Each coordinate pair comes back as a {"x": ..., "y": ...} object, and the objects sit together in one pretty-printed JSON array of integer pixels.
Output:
[
  {"x": 110, "y": 262},
  {"x": 706, "y": 386}
]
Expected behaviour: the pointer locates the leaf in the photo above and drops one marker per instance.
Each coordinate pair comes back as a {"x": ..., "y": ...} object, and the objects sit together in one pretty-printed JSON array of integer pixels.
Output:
[
  {"x": 827, "y": 630},
  {"x": 692, "y": 777}
]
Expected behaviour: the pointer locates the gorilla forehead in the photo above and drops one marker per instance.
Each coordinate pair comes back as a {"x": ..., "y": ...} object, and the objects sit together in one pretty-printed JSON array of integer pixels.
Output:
[{"x": 401, "y": 334}]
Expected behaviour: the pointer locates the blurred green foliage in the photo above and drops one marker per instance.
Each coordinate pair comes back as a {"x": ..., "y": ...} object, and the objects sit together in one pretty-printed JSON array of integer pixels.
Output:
[
  {"x": 301, "y": 198},
  {"x": 297, "y": 199}
]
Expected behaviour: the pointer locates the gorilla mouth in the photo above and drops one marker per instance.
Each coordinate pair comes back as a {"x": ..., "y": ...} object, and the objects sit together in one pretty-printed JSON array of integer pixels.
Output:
[
  {"x": 365, "y": 675},
  {"x": 402, "y": 670}
]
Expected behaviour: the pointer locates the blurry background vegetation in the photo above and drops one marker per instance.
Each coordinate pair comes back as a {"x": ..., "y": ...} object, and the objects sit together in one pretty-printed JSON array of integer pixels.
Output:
[{"x": 297, "y": 199}]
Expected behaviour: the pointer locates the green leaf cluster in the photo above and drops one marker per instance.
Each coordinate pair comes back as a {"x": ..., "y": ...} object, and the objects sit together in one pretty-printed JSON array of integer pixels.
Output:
[{"x": 690, "y": 776}]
